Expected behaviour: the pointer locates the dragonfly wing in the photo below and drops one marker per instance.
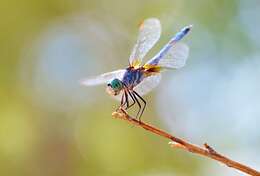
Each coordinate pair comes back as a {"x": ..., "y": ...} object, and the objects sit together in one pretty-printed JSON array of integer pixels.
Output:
[
  {"x": 173, "y": 54},
  {"x": 175, "y": 57},
  {"x": 149, "y": 34},
  {"x": 104, "y": 78},
  {"x": 148, "y": 84}
]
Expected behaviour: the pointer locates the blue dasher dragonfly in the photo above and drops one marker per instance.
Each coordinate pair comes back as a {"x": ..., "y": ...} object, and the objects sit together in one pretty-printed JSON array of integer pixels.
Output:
[{"x": 130, "y": 84}]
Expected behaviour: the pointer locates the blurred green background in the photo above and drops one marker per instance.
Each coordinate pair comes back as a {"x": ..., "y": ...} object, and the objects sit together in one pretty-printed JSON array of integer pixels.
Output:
[{"x": 51, "y": 125}]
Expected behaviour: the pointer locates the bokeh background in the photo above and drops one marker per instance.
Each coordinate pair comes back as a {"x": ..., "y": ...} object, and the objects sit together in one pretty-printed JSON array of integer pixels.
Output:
[{"x": 50, "y": 125}]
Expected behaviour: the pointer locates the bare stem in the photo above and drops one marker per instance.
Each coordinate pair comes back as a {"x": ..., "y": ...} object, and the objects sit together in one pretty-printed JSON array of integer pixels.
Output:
[{"x": 206, "y": 151}]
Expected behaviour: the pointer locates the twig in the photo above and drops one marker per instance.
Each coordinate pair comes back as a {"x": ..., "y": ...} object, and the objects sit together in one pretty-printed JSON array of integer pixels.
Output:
[{"x": 206, "y": 151}]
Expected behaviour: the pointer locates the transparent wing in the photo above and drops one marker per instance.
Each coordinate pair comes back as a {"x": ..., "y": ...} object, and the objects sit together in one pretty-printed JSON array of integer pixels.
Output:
[
  {"x": 104, "y": 78},
  {"x": 175, "y": 57},
  {"x": 149, "y": 34},
  {"x": 148, "y": 84},
  {"x": 173, "y": 54}
]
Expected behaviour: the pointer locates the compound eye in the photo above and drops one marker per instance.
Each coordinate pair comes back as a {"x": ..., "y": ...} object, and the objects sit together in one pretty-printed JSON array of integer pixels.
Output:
[{"x": 117, "y": 85}]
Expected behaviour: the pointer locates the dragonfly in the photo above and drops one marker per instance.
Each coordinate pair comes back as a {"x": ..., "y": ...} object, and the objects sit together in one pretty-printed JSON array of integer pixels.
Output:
[{"x": 129, "y": 85}]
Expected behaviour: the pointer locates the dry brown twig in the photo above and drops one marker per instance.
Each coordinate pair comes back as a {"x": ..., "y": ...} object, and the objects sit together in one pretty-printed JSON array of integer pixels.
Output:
[{"x": 206, "y": 151}]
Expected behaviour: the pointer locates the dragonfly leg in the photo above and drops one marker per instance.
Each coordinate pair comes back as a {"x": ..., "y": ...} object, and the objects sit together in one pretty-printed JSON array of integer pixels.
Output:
[
  {"x": 139, "y": 105},
  {"x": 134, "y": 96},
  {"x": 132, "y": 100},
  {"x": 123, "y": 101},
  {"x": 143, "y": 102},
  {"x": 126, "y": 100}
]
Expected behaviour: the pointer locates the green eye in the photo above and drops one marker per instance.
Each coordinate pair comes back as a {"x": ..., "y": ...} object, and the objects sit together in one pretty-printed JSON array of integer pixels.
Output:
[{"x": 116, "y": 84}]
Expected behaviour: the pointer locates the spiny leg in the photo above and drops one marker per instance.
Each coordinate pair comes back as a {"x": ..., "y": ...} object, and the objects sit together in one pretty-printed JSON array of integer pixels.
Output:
[
  {"x": 139, "y": 105},
  {"x": 126, "y": 99},
  {"x": 123, "y": 101},
  {"x": 143, "y": 102},
  {"x": 124, "y": 95},
  {"x": 131, "y": 98}
]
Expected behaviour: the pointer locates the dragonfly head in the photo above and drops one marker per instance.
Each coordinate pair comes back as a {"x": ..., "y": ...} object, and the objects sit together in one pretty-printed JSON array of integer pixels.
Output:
[{"x": 114, "y": 87}]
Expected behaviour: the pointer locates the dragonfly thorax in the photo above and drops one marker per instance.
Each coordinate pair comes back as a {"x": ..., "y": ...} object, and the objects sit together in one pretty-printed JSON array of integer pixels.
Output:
[
  {"x": 114, "y": 87},
  {"x": 133, "y": 77}
]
